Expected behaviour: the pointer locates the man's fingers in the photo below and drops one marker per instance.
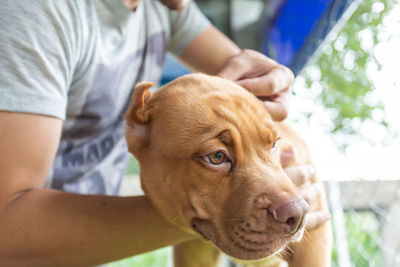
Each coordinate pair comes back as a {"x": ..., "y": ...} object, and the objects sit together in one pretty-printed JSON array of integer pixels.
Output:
[
  {"x": 316, "y": 218},
  {"x": 287, "y": 156},
  {"x": 230, "y": 74},
  {"x": 264, "y": 78},
  {"x": 300, "y": 173},
  {"x": 277, "y": 105},
  {"x": 267, "y": 84},
  {"x": 277, "y": 110},
  {"x": 234, "y": 70},
  {"x": 311, "y": 192}
]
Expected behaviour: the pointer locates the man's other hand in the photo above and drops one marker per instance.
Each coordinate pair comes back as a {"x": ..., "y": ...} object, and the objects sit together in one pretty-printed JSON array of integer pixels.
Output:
[{"x": 301, "y": 176}]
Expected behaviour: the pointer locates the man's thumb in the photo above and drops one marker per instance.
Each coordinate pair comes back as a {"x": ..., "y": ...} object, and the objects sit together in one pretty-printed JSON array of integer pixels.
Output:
[{"x": 287, "y": 156}]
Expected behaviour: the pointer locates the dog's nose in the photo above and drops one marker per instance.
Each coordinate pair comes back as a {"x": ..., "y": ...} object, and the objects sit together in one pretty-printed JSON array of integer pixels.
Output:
[{"x": 290, "y": 213}]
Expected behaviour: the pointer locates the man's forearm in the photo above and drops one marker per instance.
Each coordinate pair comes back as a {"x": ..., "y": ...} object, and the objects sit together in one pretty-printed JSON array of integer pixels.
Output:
[
  {"x": 209, "y": 51},
  {"x": 52, "y": 228}
]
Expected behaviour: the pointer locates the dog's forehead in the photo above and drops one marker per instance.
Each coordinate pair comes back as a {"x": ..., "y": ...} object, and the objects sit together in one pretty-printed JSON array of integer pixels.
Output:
[
  {"x": 201, "y": 103},
  {"x": 200, "y": 89}
]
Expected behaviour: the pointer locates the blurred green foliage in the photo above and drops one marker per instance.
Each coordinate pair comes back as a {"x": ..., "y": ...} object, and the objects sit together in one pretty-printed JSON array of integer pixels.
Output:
[
  {"x": 133, "y": 167},
  {"x": 157, "y": 258},
  {"x": 362, "y": 229},
  {"x": 363, "y": 235},
  {"x": 341, "y": 70}
]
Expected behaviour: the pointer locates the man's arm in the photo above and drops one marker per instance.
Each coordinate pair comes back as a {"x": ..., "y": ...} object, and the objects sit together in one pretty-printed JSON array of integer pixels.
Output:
[
  {"x": 42, "y": 227},
  {"x": 209, "y": 51}
]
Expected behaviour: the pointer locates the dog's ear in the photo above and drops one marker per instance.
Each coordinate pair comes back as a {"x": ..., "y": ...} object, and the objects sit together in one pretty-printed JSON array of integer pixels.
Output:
[
  {"x": 137, "y": 117},
  {"x": 138, "y": 112}
]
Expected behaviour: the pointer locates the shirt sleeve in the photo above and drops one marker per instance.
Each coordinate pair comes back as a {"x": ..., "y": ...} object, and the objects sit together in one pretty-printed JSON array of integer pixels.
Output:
[
  {"x": 36, "y": 56},
  {"x": 186, "y": 25}
]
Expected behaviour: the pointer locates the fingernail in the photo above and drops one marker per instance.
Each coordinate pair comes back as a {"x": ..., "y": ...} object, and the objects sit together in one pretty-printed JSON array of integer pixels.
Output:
[
  {"x": 310, "y": 170},
  {"x": 289, "y": 152},
  {"x": 326, "y": 216},
  {"x": 286, "y": 156}
]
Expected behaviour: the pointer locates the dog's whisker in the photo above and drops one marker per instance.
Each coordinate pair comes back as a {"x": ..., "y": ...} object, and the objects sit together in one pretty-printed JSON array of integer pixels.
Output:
[
  {"x": 236, "y": 239},
  {"x": 285, "y": 252},
  {"x": 307, "y": 235}
]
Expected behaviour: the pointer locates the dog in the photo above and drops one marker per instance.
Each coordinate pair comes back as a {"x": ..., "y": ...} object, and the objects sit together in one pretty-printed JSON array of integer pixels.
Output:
[{"x": 209, "y": 156}]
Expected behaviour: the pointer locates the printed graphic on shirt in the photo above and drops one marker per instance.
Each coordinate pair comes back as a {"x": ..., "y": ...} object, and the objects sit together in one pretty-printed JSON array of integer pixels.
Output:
[{"x": 99, "y": 129}]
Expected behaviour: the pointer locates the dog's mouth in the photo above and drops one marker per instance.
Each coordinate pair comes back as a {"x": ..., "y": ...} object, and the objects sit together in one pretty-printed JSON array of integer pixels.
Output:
[
  {"x": 246, "y": 244},
  {"x": 202, "y": 227}
]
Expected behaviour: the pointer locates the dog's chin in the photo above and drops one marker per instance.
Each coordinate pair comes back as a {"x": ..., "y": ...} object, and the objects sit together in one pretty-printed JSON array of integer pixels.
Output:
[{"x": 236, "y": 248}]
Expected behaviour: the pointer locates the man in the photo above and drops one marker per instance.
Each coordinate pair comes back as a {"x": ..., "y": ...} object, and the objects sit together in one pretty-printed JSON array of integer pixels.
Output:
[{"x": 66, "y": 72}]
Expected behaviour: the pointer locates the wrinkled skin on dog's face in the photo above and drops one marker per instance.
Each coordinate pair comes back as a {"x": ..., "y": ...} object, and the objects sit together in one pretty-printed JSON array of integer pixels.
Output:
[{"x": 210, "y": 163}]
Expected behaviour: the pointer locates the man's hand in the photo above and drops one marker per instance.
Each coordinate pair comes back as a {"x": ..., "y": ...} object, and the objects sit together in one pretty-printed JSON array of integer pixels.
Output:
[
  {"x": 264, "y": 77},
  {"x": 300, "y": 175}
]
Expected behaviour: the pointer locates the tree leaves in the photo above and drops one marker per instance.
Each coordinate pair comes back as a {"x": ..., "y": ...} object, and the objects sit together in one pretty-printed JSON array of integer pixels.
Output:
[{"x": 343, "y": 69}]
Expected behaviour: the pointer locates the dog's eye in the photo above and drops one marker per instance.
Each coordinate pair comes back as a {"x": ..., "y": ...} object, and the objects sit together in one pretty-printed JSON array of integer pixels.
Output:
[
  {"x": 218, "y": 161},
  {"x": 217, "y": 158}
]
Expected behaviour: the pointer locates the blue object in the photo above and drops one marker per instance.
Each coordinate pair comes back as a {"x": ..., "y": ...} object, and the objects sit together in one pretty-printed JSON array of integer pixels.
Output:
[
  {"x": 298, "y": 27},
  {"x": 291, "y": 34}
]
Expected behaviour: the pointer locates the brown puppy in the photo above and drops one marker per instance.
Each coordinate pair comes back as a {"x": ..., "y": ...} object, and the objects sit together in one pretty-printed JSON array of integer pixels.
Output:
[{"x": 209, "y": 159}]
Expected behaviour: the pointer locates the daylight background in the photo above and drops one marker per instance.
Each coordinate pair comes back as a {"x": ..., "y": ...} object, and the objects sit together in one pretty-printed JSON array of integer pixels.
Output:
[{"x": 348, "y": 100}]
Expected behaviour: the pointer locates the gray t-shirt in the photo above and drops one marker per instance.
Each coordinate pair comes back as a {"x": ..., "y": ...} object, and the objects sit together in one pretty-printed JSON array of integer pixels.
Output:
[{"x": 78, "y": 60}]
